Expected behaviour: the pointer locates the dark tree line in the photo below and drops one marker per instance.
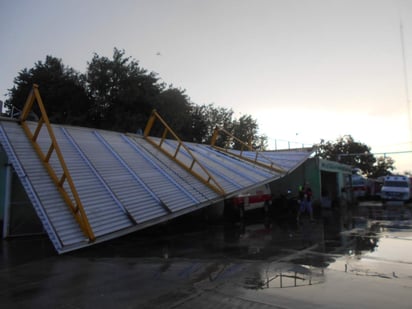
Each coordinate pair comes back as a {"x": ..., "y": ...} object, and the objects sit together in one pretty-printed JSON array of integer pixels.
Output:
[
  {"x": 61, "y": 88},
  {"x": 347, "y": 151},
  {"x": 118, "y": 94}
]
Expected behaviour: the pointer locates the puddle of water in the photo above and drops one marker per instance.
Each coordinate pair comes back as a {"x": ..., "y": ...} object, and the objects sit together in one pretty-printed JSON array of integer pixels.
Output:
[
  {"x": 278, "y": 256},
  {"x": 383, "y": 247},
  {"x": 335, "y": 233},
  {"x": 393, "y": 248}
]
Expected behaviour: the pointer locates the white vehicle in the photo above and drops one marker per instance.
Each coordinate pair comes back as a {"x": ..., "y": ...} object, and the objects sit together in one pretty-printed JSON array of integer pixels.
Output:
[
  {"x": 396, "y": 188},
  {"x": 260, "y": 197}
]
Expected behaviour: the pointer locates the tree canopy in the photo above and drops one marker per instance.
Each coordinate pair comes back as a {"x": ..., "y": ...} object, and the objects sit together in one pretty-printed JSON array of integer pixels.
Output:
[
  {"x": 356, "y": 154},
  {"x": 62, "y": 91},
  {"x": 121, "y": 92},
  {"x": 118, "y": 94}
]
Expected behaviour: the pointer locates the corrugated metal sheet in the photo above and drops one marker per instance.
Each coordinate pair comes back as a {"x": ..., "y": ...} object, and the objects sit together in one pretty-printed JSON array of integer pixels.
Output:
[
  {"x": 286, "y": 159},
  {"x": 123, "y": 181},
  {"x": 56, "y": 217}
]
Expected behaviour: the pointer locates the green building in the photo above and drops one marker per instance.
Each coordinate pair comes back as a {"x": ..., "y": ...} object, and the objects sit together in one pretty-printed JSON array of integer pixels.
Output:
[{"x": 330, "y": 181}]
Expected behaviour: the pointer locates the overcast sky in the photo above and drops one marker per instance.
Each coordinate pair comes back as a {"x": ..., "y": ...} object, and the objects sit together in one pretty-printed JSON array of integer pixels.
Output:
[{"x": 306, "y": 70}]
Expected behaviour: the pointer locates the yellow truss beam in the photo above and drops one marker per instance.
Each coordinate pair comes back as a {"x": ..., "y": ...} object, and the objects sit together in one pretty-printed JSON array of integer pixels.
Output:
[
  {"x": 270, "y": 164},
  {"x": 71, "y": 198},
  {"x": 207, "y": 178}
]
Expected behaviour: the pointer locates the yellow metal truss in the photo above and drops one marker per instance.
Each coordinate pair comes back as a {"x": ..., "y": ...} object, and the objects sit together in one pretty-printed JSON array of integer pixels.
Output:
[
  {"x": 267, "y": 163},
  {"x": 71, "y": 198},
  {"x": 206, "y": 178}
]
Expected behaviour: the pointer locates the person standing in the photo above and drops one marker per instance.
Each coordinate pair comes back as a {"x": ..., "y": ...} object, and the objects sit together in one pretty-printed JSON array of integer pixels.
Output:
[{"x": 305, "y": 201}]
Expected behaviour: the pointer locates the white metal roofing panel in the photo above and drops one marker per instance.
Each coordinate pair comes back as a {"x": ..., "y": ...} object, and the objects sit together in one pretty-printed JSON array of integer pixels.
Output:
[
  {"x": 175, "y": 192},
  {"x": 123, "y": 181},
  {"x": 101, "y": 209},
  {"x": 120, "y": 180},
  {"x": 48, "y": 203},
  {"x": 231, "y": 173},
  {"x": 185, "y": 182}
]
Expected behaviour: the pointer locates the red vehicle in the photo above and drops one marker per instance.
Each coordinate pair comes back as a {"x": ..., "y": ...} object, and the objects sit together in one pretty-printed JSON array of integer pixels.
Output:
[
  {"x": 360, "y": 188},
  {"x": 363, "y": 187},
  {"x": 260, "y": 197}
]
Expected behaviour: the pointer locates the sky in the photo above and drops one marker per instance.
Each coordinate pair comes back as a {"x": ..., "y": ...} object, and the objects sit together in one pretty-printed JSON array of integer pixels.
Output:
[{"x": 306, "y": 70}]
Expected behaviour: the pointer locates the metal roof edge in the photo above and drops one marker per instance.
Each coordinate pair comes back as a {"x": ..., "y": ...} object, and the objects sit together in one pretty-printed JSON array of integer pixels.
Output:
[
  {"x": 135, "y": 228},
  {"x": 4, "y": 118},
  {"x": 300, "y": 149},
  {"x": 299, "y": 164},
  {"x": 31, "y": 193}
]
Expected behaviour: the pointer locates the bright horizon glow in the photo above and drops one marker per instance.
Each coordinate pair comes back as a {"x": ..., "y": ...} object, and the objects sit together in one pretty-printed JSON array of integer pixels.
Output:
[{"x": 305, "y": 70}]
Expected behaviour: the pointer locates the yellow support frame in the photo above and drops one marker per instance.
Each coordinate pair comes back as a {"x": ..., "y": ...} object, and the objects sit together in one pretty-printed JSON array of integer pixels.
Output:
[
  {"x": 209, "y": 180},
  {"x": 271, "y": 166},
  {"x": 74, "y": 203}
]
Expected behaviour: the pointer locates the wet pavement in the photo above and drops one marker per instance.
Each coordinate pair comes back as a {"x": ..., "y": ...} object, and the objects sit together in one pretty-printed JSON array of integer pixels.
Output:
[{"x": 359, "y": 256}]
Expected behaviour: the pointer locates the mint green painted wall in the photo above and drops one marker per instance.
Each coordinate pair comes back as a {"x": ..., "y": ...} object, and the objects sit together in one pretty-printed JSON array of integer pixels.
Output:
[
  {"x": 313, "y": 177},
  {"x": 311, "y": 171},
  {"x": 308, "y": 171}
]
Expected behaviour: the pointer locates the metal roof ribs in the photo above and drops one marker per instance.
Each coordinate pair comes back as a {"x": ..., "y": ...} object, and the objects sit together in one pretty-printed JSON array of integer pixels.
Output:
[
  {"x": 131, "y": 172},
  {"x": 215, "y": 171},
  {"x": 31, "y": 193},
  {"x": 208, "y": 180},
  {"x": 75, "y": 205},
  {"x": 156, "y": 166},
  {"x": 245, "y": 165},
  {"x": 98, "y": 176},
  {"x": 271, "y": 166}
]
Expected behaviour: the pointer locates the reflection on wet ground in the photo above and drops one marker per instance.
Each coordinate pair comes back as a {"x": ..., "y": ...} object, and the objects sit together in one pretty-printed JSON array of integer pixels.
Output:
[{"x": 191, "y": 263}]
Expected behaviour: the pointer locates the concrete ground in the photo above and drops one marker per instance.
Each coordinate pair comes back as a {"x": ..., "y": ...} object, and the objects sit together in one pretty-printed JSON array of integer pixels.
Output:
[{"x": 359, "y": 257}]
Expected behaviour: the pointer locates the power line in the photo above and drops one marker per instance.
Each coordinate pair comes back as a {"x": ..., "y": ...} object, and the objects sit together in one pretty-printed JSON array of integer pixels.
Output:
[
  {"x": 395, "y": 144},
  {"x": 391, "y": 152}
]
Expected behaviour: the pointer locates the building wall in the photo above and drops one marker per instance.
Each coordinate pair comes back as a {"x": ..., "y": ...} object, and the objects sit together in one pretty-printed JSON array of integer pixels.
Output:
[
  {"x": 326, "y": 178},
  {"x": 307, "y": 172}
]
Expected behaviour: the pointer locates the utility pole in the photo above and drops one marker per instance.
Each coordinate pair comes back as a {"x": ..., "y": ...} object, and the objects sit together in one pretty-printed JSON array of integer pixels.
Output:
[{"x": 405, "y": 76}]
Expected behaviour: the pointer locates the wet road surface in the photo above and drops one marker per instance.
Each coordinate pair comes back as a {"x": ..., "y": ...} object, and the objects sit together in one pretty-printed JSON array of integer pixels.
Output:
[{"x": 358, "y": 257}]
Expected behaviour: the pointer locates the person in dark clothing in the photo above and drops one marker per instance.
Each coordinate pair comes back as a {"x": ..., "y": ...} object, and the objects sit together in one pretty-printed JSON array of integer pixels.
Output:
[{"x": 305, "y": 201}]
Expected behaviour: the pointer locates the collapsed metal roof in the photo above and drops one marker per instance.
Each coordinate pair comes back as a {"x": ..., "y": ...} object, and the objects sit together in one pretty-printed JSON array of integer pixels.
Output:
[{"x": 122, "y": 182}]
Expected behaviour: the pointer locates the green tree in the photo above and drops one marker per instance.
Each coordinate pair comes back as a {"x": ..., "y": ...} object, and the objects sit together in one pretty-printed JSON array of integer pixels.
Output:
[
  {"x": 383, "y": 167},
  {"x": 263, "y": 142},
  {"x": 246, "y": 130},
  {"x": 174, "y": 106},
  {"x": 117, "y": 94},
  {"x": 211, "y": 116},
  {"x": 200, "y": 127},
  {"x": 358, "y": 155},
  {"x": 61, "y": 89},
  {"x": 206, "y": 118},
  {"x": 123, "y": 93}
]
